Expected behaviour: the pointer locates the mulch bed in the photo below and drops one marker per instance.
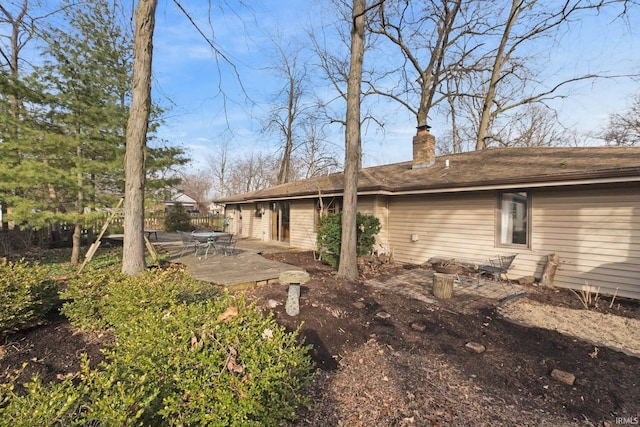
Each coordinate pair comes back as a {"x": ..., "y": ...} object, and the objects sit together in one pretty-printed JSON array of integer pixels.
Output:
[{"x": 387, "y": 360}]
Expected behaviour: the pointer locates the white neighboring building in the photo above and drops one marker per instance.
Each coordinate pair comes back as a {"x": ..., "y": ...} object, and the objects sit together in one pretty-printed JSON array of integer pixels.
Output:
[
  {"x": 188, "y": 202},
  {"x": 216, "y": 208}
]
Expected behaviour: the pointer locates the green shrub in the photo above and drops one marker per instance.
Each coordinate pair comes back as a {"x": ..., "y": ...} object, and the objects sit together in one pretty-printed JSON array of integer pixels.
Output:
[
  {"x": 177, "y": 219},
  {"x": 26, "y": 294},
  {"x": 85, "y": 298},
  {"x": 88, "y": 398},
  {"x": 181, "y": 360},
  {"x": 368, "y": 227},
  {"x": 103, "y": 299},
  {"x": 329, "y": 234},
  {"x": 246, "y": 370}
]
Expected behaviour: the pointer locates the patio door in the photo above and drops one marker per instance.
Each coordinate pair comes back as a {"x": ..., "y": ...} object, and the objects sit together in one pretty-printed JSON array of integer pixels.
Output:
[{"x": 280, "y": 221}]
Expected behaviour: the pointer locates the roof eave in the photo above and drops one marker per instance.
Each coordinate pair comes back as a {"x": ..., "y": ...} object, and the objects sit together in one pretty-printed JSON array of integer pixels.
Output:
[
  {"x": 563, "y": 180},
  {"x": 559, "y": 180}
]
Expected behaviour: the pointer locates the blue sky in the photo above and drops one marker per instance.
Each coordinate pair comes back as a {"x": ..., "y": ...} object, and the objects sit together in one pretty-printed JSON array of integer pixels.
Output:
[{"x": 187, "y": 76}]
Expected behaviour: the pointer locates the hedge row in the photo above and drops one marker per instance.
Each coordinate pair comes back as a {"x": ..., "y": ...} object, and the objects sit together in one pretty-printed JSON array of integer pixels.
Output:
[
  {"x": 184, "y": 355},
  {"x": 26, "y": 294}
]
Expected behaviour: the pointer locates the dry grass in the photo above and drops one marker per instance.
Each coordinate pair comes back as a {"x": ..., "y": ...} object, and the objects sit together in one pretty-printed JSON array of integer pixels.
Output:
[{"x": 588, "y": 296}]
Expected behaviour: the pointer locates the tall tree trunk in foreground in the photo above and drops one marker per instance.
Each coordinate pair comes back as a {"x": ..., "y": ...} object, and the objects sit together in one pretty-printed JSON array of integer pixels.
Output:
[
  {"x": 133, "y": 251},
  {"x": 348, "y": 256}
]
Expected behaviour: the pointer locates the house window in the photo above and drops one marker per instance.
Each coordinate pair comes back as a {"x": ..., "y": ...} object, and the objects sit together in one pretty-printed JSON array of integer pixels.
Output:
[{"x": 513, "y": 221}]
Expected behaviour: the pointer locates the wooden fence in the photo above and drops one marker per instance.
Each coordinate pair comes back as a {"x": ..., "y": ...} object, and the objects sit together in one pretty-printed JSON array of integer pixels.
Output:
[
  {"x": 198, "y": 222},
  {"x": 60, "y": 234}
]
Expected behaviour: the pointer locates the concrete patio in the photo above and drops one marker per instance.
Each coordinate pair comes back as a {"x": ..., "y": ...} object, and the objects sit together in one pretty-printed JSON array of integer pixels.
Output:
[
  {"x": 468, "y": 296},
  {"x": 248, "y": 268},
  {"x": 243, "y": 269}
]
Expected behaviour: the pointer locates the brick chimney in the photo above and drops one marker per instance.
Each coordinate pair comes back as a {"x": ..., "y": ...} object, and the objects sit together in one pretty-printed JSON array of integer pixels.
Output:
[{"x": 424, "y": 148}]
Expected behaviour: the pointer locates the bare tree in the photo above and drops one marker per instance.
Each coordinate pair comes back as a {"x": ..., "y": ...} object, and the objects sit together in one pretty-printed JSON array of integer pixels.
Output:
[
  {"x": 288, "y": 109},
  {"x": 469, "y": 60},
  {"x": 18, "y": 37},
  {"x": 509, "y": 75},
  {"x": 433, "y": 38},
  {"x": 196, "y": 186},
  {"x": 624, "y": 128},
  {"x": 316, "y": 156},
  {"x": 333, "y": 52},
  {"x": 533, "y": 125},
  {"x": 133, "y": 261},
  {"x": 252, "y": 172},
  {"x": 218, "y": 164},
  {"x": 348, "y": 267},
  {"x": 133, "y": 251},
  {"x": 24, "y": 19}
]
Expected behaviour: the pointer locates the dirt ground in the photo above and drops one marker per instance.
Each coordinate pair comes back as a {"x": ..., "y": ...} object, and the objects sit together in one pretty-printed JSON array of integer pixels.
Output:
[{"x": 387, "y": 360}]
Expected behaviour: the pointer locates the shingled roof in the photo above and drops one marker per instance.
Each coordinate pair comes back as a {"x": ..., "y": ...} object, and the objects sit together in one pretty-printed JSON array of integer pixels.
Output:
[{"x": 484, "y": 169}]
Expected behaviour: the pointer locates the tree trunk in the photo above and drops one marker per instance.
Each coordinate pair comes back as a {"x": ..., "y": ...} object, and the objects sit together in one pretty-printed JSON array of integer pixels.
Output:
[
  {"x": 75, "y": 241},
  {"x": 498, "y": 64},
  {"x": 442, "y": 285},
  {"x": 133, "y": 261},
  {"x": 348, "y": 267},
  {"x": 553, "y": 261},
  {"x": 77, "y": 231},
  {"x": 284, "y": 175}
]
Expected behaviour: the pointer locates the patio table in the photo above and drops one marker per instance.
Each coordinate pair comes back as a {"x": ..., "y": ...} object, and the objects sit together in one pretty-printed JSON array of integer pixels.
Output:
[
  {"x": 205, "y": 236},
  {"x": 209, "y": 238}
]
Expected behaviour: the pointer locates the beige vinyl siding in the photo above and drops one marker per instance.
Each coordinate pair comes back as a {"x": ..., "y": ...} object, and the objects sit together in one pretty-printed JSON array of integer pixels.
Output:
[
  {"x": 596, "y": 233},
  {"x": 248, "y": 219},
  {"x": 301, "y": 225},
  {"x": 231, "y": 213},
  {"x": 454, "y": 226},
  {"x": 257, "y": 222},
  {"x": 253, "y": 225},
  {"x": 265, "y": 225},
  {"x": 377, "y": 206},
  {"x": 381, "y": 210},
  {"x": 366, "y": 204},
  {"x": 241, "y": 227},
  {"x": 303, "y": 233}
]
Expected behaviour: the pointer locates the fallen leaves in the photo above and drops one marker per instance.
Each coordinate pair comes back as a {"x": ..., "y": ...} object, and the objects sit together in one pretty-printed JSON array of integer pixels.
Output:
[
  {"x": 228, "y": 314},
  {"x": 232, "y": 361}
]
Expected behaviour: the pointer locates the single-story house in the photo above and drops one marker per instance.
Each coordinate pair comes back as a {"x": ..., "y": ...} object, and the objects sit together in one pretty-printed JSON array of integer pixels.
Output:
[
  {"x": 188, "y": 202},
  {"x": 582, "y": 204}
]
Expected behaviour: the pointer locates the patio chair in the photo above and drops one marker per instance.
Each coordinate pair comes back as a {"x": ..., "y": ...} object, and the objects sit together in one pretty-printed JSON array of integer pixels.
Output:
[
  {"x": 497, "y": 268},
  {"x": 226, "y": 245},
  {"x": 188, "y": 241}
]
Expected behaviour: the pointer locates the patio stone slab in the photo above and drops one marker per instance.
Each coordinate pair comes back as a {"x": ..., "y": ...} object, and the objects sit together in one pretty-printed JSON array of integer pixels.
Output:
[{"x": 244, "y": 269}]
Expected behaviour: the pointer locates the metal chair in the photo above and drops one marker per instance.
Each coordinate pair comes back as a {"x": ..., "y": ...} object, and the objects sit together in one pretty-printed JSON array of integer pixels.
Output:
[
  {"x": 188, "y": 241},
  {"x": 497, "y": 267},
  {"x": 226, "y": 244}
]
